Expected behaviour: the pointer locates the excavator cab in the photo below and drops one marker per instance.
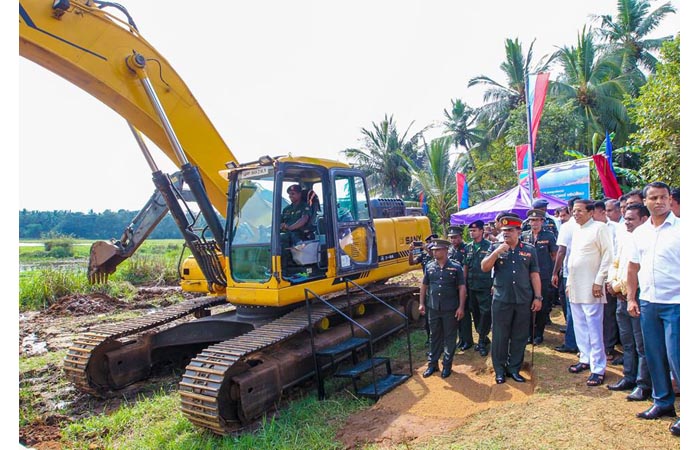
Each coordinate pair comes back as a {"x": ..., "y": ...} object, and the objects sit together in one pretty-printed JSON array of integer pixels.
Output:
[{"x": 338, "y": 238}]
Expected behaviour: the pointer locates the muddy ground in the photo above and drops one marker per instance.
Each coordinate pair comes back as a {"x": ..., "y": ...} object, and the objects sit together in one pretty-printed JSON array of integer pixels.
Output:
[{"x": 53, "y": 330}]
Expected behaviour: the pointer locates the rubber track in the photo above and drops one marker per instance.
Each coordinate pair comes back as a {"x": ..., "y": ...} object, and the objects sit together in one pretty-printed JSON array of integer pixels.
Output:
[
  {"x": 207, "y": 372},
  {"x": 76, "y": 361}
]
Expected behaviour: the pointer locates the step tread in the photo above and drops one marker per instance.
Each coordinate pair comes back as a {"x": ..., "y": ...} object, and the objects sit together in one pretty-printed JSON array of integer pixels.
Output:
[
  {"x": 384, "y": 385},
  {"x": 342, "y": 347},
  {"x": 362, "y": 367}
]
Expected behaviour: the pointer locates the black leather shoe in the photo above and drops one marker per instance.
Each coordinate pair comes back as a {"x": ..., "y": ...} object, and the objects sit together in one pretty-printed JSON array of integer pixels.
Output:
[
  {"x": 483, "y": 351},
  {"x": 657, "y": 411},
  {"x": 538, "y": 340},
  {"x": 477, "y": 347},
  {"x": 446, "y": 371},
  {"x": 500, "y": 378},
  {"x": 529, "y": 340},
  {"x": 562, "y": 330},
  {"x": 622, "y": 385},
  {"x": 675, "y": 429},
  {"x": 618, "y": 361},
  {"x": 516, "y": 377},
  {"x": 565, "y": 349},
  {"x": 429, "y": 371},
  {"x": 639, "y": 395}
]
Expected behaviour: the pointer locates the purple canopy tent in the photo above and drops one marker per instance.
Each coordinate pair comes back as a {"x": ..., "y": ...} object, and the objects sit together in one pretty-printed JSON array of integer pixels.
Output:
[{"x": 515, "y": 200}]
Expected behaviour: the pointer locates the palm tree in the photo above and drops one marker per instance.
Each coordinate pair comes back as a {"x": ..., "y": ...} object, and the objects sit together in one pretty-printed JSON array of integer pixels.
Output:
[
  {"x": 501, "y": 99},
  {"x": 437, "y": 178},
  {"x": 381, "y": 157},
  {"x": 627, "y": 33},
  {"x": 594, "y": 82},
  {"x": 461, "y": 125}
]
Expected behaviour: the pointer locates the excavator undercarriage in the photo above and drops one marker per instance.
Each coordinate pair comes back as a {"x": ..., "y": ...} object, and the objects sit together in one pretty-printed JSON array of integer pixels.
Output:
[{"x": 237, "y": 363}]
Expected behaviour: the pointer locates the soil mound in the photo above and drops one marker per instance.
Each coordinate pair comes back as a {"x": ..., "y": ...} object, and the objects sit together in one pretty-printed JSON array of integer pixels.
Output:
[
  {"x": 425, "y": 407},
  {"x": 83, "y": 305}
]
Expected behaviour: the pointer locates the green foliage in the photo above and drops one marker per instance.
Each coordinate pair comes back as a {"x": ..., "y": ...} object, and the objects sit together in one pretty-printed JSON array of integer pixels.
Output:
[
  {"x": 437, "y": 178},
  {"x": 148, "y": 269},
  {"x": 380, "y": 157},
  {"x": 157, "y": 423},
  {"x": 657, "y": 114},
  {"x": 39, "y": 289},
  {"x": 495, "y": 172},
  {"x": 560, "y": 130}
]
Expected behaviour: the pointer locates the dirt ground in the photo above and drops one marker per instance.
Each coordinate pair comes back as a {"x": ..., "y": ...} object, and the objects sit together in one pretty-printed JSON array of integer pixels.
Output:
[
  {"x": 465, "y": 404},
  {"x": 53, "y": 330}
]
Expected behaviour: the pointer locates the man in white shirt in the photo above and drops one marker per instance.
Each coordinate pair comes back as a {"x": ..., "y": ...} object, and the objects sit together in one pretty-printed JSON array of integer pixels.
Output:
[
  {"x": 560, "y": 264},
  {"x": 635, "y": 372},
  {"x": 589, "y": 261},
  {"x": 655, "y": 267}
]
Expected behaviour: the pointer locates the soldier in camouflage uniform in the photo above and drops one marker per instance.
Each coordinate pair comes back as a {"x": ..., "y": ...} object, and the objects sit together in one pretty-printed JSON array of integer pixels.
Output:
[
  {"x": 457, "y": 253},
  {"x": 479, "y": 285},
  {"x": 295, "y": 223}
]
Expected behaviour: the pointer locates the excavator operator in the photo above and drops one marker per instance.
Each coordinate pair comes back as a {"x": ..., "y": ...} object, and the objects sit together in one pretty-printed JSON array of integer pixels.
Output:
[{"x": 296, "y": 219}]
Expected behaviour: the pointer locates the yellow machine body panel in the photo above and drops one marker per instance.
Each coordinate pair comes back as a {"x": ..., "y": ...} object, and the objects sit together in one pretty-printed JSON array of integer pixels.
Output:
[{"x": 394, "y": 235}]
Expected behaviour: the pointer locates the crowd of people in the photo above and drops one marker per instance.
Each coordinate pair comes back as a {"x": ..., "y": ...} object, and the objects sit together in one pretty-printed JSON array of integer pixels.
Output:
[{"x": 612, "y": 265}]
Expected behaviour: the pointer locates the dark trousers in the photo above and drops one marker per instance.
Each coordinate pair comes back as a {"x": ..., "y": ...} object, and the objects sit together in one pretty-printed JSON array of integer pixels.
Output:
[
  {"x": 543, "y": 314},
  {"x": 443, "y": 337},
  {"x": 661, "y": 324},
  {"x": 510, "y": 330},
  {"x": 561, "y": 290},
  {"x": 465, "y": 325},
  {"x": 634, "y": 365},
  {"x": 611, "y": 335},
  {"x": 570, "y": 336},
  {"x": 481, "y": 300}
]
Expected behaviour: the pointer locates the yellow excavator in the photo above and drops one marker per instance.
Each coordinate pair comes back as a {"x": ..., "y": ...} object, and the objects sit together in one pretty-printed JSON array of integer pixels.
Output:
[{"x": 294, "y": 293}]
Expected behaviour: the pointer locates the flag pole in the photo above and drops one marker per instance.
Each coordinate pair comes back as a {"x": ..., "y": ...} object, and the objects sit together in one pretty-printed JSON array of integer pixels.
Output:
[{"x": 530, "y": 150}]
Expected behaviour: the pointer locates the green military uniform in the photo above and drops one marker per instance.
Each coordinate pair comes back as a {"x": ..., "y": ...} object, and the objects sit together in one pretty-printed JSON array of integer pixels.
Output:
[
  {"x": 458, "y": 254},
  {"x": 512, "y": 299},
  {"x": 479, "y": 294},
  {"x": 545, "y": 243},
  {"x": 441, "y": 305},
  {"x": 290, "y": 215}
]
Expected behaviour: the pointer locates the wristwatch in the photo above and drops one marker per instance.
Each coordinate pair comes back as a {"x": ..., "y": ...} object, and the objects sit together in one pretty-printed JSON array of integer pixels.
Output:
[{"x": 538, "y": 297}]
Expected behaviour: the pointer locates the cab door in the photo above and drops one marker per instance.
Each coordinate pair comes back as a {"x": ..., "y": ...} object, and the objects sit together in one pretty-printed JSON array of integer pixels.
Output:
[{"x": 356, "y": 240}]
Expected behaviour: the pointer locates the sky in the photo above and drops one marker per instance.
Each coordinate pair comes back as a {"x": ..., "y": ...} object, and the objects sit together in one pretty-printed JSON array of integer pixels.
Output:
[{"x": 281, "y": 77}]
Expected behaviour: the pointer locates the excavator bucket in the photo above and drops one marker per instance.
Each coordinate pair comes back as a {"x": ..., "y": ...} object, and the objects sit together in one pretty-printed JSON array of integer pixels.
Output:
[{"x": 104, "y": 258}]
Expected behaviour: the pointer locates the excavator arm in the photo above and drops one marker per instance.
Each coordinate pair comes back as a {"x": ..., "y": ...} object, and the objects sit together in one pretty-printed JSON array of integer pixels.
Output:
[{"x": 91, "y": 48}]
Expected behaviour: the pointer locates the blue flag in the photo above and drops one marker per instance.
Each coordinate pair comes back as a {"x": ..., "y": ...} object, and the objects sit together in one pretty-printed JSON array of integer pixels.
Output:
[{"x": 608, "y": 152}]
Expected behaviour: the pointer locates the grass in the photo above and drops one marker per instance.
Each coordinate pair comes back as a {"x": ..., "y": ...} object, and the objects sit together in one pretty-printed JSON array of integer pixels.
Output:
[
  {"x": 303, "y": 424},
  {"x": 155, "y": 262}
]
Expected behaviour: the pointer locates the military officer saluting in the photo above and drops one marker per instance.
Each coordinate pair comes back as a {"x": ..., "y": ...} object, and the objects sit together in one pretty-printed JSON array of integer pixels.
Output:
[
  {"x": 516, "y": 277},
  {"x": 478, "y": 284},
  {"x": 457, "y": 253},
  {"x": 445, "y": 306}
]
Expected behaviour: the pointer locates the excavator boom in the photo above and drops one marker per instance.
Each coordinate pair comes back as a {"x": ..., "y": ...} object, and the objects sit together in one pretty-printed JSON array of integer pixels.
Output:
[{"x": 89, "y": 47}]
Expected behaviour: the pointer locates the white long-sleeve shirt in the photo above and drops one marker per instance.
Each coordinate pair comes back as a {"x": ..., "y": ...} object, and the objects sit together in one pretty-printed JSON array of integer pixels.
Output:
[{"x": 589, "y": 261}]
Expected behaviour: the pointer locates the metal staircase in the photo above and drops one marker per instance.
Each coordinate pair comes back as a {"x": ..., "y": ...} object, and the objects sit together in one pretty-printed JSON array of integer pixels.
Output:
[{"x": 371, "y": 375}]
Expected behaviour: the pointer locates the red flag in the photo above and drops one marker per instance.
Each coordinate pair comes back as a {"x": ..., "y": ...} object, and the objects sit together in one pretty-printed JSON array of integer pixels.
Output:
[
  {"x": 607, "y": 178},
  {"x": 462, "y": 191},
  {"x": 537, "y": 92},
  {"x": 523, "y": 163}
]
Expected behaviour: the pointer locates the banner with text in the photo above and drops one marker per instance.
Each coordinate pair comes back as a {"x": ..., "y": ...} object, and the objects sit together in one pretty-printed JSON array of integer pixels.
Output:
[{"x": 563, "y": 180}]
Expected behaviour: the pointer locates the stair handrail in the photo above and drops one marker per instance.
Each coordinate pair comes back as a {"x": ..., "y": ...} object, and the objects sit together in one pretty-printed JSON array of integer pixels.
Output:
[
  {"x": 404, "y": 316},
  {"x": 307, "y": 291}
]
